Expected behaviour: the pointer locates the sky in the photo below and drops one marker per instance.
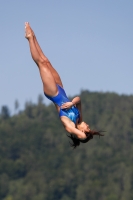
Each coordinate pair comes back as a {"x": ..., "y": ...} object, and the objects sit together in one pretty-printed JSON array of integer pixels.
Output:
[{"x": 89, "y": 43}]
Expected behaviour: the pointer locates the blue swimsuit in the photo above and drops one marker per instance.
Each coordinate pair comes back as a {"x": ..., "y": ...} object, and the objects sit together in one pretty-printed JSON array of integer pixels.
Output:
[{"x": 61, "y": 98}]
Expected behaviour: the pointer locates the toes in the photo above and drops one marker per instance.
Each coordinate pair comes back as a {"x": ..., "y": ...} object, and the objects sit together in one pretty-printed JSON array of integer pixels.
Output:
[{"x": 26, "y": 24}]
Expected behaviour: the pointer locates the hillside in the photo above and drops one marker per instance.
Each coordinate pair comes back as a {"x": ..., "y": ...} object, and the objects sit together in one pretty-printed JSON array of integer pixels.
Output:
[{"x": 37, "y": 162}]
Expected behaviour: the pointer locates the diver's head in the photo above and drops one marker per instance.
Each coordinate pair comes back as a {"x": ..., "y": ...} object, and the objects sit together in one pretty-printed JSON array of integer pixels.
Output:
[
  {"x": 88, "y": 132},
  {"x": 82, "y": 126}
]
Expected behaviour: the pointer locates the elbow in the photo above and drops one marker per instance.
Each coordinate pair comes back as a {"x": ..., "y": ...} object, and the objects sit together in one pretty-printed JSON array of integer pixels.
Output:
[{"x": 79, "y": 99}]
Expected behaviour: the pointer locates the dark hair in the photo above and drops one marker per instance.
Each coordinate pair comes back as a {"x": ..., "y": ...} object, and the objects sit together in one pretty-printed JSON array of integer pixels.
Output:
[{"x": 90, "y": 134}]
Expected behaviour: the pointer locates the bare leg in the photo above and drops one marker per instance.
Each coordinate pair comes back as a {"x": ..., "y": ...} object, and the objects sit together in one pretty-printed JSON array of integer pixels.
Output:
[
  {"x": 48, "y": 80},
  {"x": 53, "y": 71}
]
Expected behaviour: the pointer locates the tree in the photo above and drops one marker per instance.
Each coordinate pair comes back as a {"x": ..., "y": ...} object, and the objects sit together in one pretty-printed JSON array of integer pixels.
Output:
[
  {"x": 5, "y": 113},
  {"x": 28, "y": 109},
  {"x": 16, "y": 105},
  {"x": 40, "y": 99}
]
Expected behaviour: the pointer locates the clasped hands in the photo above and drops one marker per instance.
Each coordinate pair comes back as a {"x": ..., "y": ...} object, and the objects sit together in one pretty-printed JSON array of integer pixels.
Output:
[{"x": 67, "y": 105}]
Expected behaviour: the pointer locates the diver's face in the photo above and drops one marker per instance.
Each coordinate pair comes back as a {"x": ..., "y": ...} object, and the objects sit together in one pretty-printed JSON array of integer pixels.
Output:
[{"x": 84, "y": 127}]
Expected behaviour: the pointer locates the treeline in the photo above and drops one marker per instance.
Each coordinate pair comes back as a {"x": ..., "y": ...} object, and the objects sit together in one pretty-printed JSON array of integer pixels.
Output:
[{"x": 37, "y": 162}]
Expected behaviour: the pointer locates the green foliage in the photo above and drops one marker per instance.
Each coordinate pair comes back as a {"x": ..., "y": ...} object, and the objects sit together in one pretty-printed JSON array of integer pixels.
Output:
[
  {"x": 37, "y": 162},
  {"x": 5, "y": 113}
]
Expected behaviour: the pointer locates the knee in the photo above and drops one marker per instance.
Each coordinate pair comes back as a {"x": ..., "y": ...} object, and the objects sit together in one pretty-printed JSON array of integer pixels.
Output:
[{"x": 43, "y": 64}]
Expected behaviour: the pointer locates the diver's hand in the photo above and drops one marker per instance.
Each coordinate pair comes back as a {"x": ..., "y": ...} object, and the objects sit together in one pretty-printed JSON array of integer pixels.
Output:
[{"x": 67, "y": 105}]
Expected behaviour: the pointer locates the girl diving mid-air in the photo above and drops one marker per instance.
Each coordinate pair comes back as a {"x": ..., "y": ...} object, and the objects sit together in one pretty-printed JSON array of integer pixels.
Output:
[{"x": 70, "y": 112}]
